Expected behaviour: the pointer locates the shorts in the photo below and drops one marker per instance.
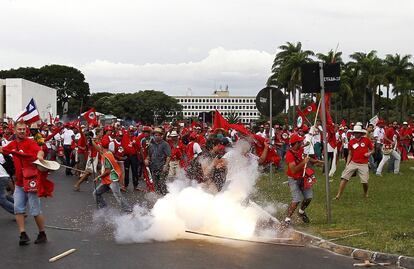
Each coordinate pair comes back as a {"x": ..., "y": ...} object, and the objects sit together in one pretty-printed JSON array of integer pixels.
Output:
[
  {"x": 92, "y": 166},
  {"x": 361, "y": 170},
  {"x": 81, "y": 161},
  {"x": 21, "y": 199},
  {"x": 296, "y": 191}
]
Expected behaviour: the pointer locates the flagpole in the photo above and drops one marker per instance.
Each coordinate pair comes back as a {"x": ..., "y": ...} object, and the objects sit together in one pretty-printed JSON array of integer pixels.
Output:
[
  {"x": 270, "y": 130},
  {"x": 325, "y": 144}
]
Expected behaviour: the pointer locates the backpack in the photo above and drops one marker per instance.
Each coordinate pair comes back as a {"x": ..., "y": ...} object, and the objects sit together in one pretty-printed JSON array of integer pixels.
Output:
[{"x": 8, "y": 165}]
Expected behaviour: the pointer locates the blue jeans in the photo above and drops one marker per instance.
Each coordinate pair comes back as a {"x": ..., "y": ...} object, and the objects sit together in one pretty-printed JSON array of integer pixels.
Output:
[
  {"x": 116, "y": 191},
  {"x": 6, "y": 201},
  {"x": 21, "y": 199}
]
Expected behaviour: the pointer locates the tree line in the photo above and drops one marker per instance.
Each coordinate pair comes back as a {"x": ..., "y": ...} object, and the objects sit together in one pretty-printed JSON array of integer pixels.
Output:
[
  {"x": 147, "y": 106},
  {"x": 365, "y": 77}
]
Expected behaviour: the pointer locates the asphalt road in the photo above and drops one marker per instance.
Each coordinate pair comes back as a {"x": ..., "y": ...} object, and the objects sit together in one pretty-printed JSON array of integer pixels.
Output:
[{"x": 96, "y": 248}]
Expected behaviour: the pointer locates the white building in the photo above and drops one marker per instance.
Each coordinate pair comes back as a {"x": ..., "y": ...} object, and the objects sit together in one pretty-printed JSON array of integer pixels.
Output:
[
  {"x": 15, "y": 94},
  {"x": 243, "y": 106}
]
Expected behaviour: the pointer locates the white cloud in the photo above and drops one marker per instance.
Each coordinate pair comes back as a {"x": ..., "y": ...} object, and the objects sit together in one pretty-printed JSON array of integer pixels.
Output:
[{"x": 245, "y": 71}]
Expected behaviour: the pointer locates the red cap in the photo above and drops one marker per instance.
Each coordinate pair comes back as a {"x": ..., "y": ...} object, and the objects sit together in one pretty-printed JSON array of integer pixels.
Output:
[
  {"x": 295, "y": 138},
  {"x": 146, "y": 129}
]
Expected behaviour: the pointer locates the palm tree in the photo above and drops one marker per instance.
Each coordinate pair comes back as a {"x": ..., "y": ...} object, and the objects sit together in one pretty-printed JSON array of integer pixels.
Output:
[
  {"x": 399, "y": 71},
  {"x": 370, "y": 74},
  {"x": 286, "y": 69},
  {"x": 233, "y": 117},
  {"x": 331, "y": 57}
]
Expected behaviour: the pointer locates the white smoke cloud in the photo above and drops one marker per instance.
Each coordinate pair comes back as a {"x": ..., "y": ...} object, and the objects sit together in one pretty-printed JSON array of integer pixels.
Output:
[{"x": 190, "y": 206}]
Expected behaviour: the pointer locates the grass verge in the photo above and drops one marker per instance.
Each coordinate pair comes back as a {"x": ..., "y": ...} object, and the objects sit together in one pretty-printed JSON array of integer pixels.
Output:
[{"x": 384, "y": 220}]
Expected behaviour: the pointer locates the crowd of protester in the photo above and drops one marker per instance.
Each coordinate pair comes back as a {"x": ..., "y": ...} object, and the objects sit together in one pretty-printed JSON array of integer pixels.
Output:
[{"x": 126, "y": 158}]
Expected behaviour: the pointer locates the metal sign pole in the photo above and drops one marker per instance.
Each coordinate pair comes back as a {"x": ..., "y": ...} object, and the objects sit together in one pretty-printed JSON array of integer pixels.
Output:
[
  {"x": 325, "y": 145},
  {"x": 270, "y": 131}
]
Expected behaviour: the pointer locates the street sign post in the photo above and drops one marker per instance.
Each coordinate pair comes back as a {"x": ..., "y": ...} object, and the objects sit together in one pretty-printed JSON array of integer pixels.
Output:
[
  {"x": 324, "y": 78},
  {"x": 270, "y": 101}
]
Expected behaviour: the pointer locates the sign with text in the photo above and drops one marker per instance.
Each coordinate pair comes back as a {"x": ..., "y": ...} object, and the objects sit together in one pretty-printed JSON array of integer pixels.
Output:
[{"x": 311, "y": 78}]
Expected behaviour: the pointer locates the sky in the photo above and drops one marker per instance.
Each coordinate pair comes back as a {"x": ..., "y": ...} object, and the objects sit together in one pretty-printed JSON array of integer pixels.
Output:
[{"x": 177, "y": 45}]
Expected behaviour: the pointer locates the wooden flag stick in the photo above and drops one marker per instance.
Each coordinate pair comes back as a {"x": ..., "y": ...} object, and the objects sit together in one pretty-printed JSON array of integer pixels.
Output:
[{"x": 64, "y": 254}]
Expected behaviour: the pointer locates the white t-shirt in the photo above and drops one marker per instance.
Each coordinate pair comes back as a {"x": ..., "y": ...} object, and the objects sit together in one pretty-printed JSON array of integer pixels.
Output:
[
  {"x": 3, "y": 172},
  {"x": 344, "y": 140},
  {"x": 67, "y": 136},
  {"x": 379, "y": 134},
  {"x": 196, "y": 149},
  {"x": 309, "y": 148}
]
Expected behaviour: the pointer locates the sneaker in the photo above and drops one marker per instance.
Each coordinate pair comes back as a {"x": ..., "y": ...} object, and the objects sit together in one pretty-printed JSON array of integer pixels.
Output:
[
  {"x": 41, "y": 238},
  {"x": 304, "y": 217},
  {"x": 24, "y": 239},
  {"x": 378, "y": 175}
]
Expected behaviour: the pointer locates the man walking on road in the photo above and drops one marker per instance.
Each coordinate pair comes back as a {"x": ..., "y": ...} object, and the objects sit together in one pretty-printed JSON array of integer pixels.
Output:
[
  {"x": 158, "y": 159},
  {"x": 25, "y": 151}
]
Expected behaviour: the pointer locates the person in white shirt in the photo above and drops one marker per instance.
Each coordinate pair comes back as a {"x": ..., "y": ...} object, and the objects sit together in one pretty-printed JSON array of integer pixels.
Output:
[
  {"x": 345, "y": 142},
  {"x": 6, "y": 201},
  {"x": 68, "y": 136},
  {"x": 261, "y": 131}
]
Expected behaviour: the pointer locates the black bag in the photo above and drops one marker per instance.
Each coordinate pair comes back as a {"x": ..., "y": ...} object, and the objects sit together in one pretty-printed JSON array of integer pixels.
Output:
[{"x": 8, "y": 165}]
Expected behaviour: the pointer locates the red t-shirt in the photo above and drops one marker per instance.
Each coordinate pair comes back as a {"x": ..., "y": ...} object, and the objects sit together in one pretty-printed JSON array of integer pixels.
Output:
[
  {"x": 294, "y": 157},
  {"x": 404, "y": 132},
  {"x": 359, "y": 147},
  {"x": 27, "y": 150},
  {"x": 82, "y": 143},
  {"x": 389, "y": 133}
]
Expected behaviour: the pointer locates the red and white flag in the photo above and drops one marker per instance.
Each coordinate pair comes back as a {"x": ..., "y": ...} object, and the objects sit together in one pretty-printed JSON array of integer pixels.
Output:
[
  {"x": 90, "y": 117},
  {"x": 30, "y": 114}
]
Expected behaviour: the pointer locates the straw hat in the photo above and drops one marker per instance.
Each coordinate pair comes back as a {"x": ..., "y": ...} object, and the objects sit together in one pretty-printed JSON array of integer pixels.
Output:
[
  {"x": 46, "y": 165},
  {"x": 358, "y": 129},
  {"x": 173, "y": 134},
  {"x": 34, "y": 126}
]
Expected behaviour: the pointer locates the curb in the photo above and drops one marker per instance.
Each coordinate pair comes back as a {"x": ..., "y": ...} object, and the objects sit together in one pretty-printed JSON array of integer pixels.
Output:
[
  {"x": 355, "y": 253},
  {"x": 359, "y": 254}
]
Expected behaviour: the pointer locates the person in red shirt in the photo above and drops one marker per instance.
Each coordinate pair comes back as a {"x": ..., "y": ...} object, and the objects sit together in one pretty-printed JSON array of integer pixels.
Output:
[
  {"x": 295, "y": 166},
  {"x": 360, "y": 148},
  {"x": 91, "y": 166},
  {"x": 25, "y": 151},
  {"x": 389, "y": 149},
  {"x": 177, "y": 152},
  {"x": 131, "y": 148},
  {"x": 406, "y": 134}
]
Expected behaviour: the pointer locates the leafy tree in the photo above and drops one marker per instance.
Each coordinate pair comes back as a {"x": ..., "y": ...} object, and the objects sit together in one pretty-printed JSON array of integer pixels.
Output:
[
  {"x": 399, "y": 73},
  {"x": 68, "y": 81},
  {"x": 146, "y": 106},
  {"x": 286, "y": 69},
  {"x": 370, "y": 74}
]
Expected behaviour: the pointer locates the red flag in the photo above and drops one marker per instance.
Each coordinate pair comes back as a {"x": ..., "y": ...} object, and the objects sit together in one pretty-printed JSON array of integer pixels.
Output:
[
  {"x": 310, "y": 108},
  {"x": 90, "y": 116},
  {"x": 343, "y": 123},
  {"x": 240, "y": 128},
  {"x": 219, "y": 121}
]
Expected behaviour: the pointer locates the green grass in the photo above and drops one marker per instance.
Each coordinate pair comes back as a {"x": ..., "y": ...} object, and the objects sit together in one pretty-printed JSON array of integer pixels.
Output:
[{"x": 387, "y": 215}]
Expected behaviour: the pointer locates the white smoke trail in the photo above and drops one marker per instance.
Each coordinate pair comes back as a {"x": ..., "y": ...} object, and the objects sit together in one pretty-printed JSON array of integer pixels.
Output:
[{"x": 189, "y": 206}]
